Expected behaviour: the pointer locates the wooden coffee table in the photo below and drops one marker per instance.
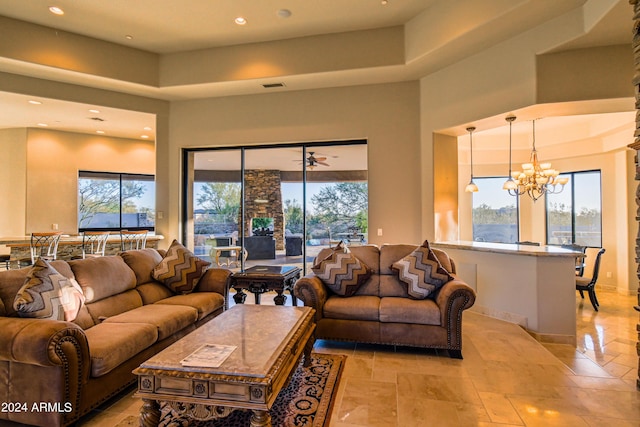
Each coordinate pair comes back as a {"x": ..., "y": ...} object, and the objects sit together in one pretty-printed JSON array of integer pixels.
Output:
[
  {"x": 269, "y": 340},
  {"x": 263, "y": 278}
]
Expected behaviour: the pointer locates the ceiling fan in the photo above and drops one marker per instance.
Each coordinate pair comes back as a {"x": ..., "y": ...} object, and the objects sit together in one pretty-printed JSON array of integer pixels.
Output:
[{"x": 313, "y": 161}]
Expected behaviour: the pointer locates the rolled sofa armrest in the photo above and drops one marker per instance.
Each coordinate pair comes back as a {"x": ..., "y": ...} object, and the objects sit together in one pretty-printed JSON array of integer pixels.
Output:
[
  {"x": 43, "y": 342},
  {"x": 312, "y": 292},
  {"x": 454, "y": 297},
  {"x": 215, "y": 280}
]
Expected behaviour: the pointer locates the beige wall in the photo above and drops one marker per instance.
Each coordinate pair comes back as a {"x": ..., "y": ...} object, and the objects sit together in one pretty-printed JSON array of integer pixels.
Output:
[
  {"x": 13, "y": 173},
  {"x": 386, "y": 115},
  {"x": 53, "y": 161},
  {"x": 505, "y": 78}
]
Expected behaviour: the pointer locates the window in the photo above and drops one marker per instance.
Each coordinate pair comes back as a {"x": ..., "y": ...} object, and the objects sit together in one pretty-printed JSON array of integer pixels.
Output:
[
  {"x": 495, "y": 212},
  {"x": 575, "y": 214},
  {"x": 115, "y": 201}
]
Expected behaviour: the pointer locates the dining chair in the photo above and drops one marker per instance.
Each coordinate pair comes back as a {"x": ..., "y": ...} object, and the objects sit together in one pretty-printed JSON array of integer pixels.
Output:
[
  {"x": 579, "y": 259},
  {"x": 130, "y": 240},
  {"x": 42, "y": 245},
  {"x": 587, "y": 282},
  {"x": 94, "y": 243}
]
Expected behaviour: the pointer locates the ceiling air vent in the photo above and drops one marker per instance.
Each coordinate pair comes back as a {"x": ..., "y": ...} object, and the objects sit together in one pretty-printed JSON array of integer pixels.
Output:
[{"x": 272, "y": 85}]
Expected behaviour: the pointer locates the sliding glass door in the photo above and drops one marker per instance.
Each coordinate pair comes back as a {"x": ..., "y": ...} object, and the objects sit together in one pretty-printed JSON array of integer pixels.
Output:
[{"x": 274, "y": 205}]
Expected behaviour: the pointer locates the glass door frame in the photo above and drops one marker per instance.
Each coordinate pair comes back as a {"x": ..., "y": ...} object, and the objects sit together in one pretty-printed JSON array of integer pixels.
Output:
[{"x": 186, "y": 202}]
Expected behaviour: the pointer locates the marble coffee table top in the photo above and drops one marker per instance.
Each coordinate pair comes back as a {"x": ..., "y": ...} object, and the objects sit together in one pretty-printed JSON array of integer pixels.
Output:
[{"x": 260, "y": 333}]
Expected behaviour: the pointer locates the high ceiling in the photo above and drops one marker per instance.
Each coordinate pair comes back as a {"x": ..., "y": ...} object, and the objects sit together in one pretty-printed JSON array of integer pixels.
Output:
[{"x": 168, "y": 26}]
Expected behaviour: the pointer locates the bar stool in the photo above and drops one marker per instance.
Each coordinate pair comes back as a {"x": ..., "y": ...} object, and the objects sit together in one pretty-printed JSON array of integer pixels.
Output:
[
  {"x": 6, "y": 260},
  {"x": 130, "y": 240},
  {"x": 94, "y": 243},
  {"x": 43, "y": 245}
]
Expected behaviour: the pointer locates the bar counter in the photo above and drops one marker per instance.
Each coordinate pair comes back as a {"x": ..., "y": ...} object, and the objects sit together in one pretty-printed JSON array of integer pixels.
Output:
[
  {"x": 70, "y": 246},
  {"x": 533, "y": 286}
]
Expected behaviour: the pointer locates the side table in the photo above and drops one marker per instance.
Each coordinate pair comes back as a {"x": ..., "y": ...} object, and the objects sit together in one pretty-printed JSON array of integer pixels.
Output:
[{"x": 263, "y": 278}]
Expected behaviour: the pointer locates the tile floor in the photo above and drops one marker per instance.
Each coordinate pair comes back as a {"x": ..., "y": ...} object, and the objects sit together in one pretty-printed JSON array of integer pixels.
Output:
[{"x": 506, "y": 378}]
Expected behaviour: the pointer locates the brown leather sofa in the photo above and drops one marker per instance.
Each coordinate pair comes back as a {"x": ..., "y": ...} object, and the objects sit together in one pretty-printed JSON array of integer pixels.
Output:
[
  {"x": 72, "y": 367},
  {"x": 381, "y": 311}
]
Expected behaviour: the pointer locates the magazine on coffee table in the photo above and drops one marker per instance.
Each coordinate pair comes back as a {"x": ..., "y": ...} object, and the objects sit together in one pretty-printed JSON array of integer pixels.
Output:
[{"x": 208, "y": 356}]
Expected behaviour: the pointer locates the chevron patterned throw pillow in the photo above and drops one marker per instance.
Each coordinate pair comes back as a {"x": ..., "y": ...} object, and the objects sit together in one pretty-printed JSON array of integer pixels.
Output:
[
  {"x": 180, "y": 270},
  {"x": 341, "y": 271},
  {"x": 47, "y": 294},
  {"x": 422, "y": 272}
]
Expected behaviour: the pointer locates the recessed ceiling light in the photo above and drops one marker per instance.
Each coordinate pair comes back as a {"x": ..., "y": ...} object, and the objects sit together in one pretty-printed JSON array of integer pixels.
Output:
[
  {"x": 147, "y": 128},
  {"x": 144, "y": 136},
  {"x": 100, "y": 132},
  {"x": 93, "y": 110},
  {"x": 44, "y": 125},
  {"x": 284, "y": 13},
  {"x": 56, "y": 10},
  {"x": 34, "y": 102},
  {"x": 240, "y": 20},
  {"x": 128, "y": 37}
]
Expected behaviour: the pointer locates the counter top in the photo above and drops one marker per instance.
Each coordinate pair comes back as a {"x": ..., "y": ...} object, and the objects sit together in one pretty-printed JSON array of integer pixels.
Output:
[
  {"x": 508, "y": 248},
  {"x": 66, "y": 239}
]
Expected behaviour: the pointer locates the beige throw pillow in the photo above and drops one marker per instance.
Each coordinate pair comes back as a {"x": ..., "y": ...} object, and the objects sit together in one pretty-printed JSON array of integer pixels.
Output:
[
  {"x": 341, "y": 271},
  {"x": 180, "y": 270},
  {"x": 48, "y": 294},
  {"x": 422, "y": 272}
]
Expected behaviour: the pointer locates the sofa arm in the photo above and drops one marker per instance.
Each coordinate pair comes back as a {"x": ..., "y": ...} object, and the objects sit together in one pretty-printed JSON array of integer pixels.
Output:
[
  {"x": 454, "y": 297},
  {"x": 43, "y": 342},
  {"x": 312, "y": 292},
  {"x": 215, "y": 280}
]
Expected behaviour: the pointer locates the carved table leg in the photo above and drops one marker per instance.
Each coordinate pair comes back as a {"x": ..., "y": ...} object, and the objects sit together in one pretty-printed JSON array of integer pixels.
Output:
[
  {"x": 261, "y": 419},
  {"x": 239, "y": 297},
  {"x": 149, "y": 413},
  {"x": 280, "y": 299},
  {"x": 308, "y": 347}
]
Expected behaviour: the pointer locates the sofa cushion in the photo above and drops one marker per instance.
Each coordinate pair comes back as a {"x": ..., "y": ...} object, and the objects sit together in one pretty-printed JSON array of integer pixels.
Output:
[
  {"x": 168, "y": 319},
  {"x": 341, "y": 271},
  {"x": 112, "y": 344},
  {"x": 422, "y": 272},
  {"x": 405, "y": 310},
  {"x": 153, "y": 291},
  {"x": 48, "y": 294},
  {"x": 180, "y": 270},
  {"x": 142, "y": 262},
  {"x": 114, "y": 305},
  {"x": 103, "y": 276},
  {"x": 365, "y": 307},
  {"x": 205, "y": 302}
]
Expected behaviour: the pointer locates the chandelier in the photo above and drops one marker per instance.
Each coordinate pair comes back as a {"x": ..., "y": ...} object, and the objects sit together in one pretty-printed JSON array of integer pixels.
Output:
[
  {"x": 471, "y": 186},
  {"x": 536, "y": 179}
]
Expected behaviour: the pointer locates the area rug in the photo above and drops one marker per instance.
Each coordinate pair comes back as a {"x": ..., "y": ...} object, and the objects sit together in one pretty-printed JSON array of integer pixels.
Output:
[{"x": 306, "y": 401}]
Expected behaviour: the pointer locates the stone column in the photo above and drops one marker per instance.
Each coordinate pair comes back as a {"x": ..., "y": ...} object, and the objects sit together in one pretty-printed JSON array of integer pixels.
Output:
[
  {"x": 636, "y": 146},
  {"x": 263, "y": 198}
]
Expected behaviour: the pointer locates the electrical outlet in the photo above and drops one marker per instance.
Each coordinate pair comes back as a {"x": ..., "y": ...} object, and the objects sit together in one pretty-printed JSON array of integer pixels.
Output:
[
  {"x": 160, "y": 214},
  {"x": 54, "y": 226},
  {"x": 609, "y": 275},
  {"x": 379, "y": 231}
]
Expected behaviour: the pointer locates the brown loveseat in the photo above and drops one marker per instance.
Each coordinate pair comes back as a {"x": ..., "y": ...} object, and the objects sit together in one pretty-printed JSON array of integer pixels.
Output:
[
  {"x": 381, "y": 311},
  {"x": 71, "y": 367}
]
